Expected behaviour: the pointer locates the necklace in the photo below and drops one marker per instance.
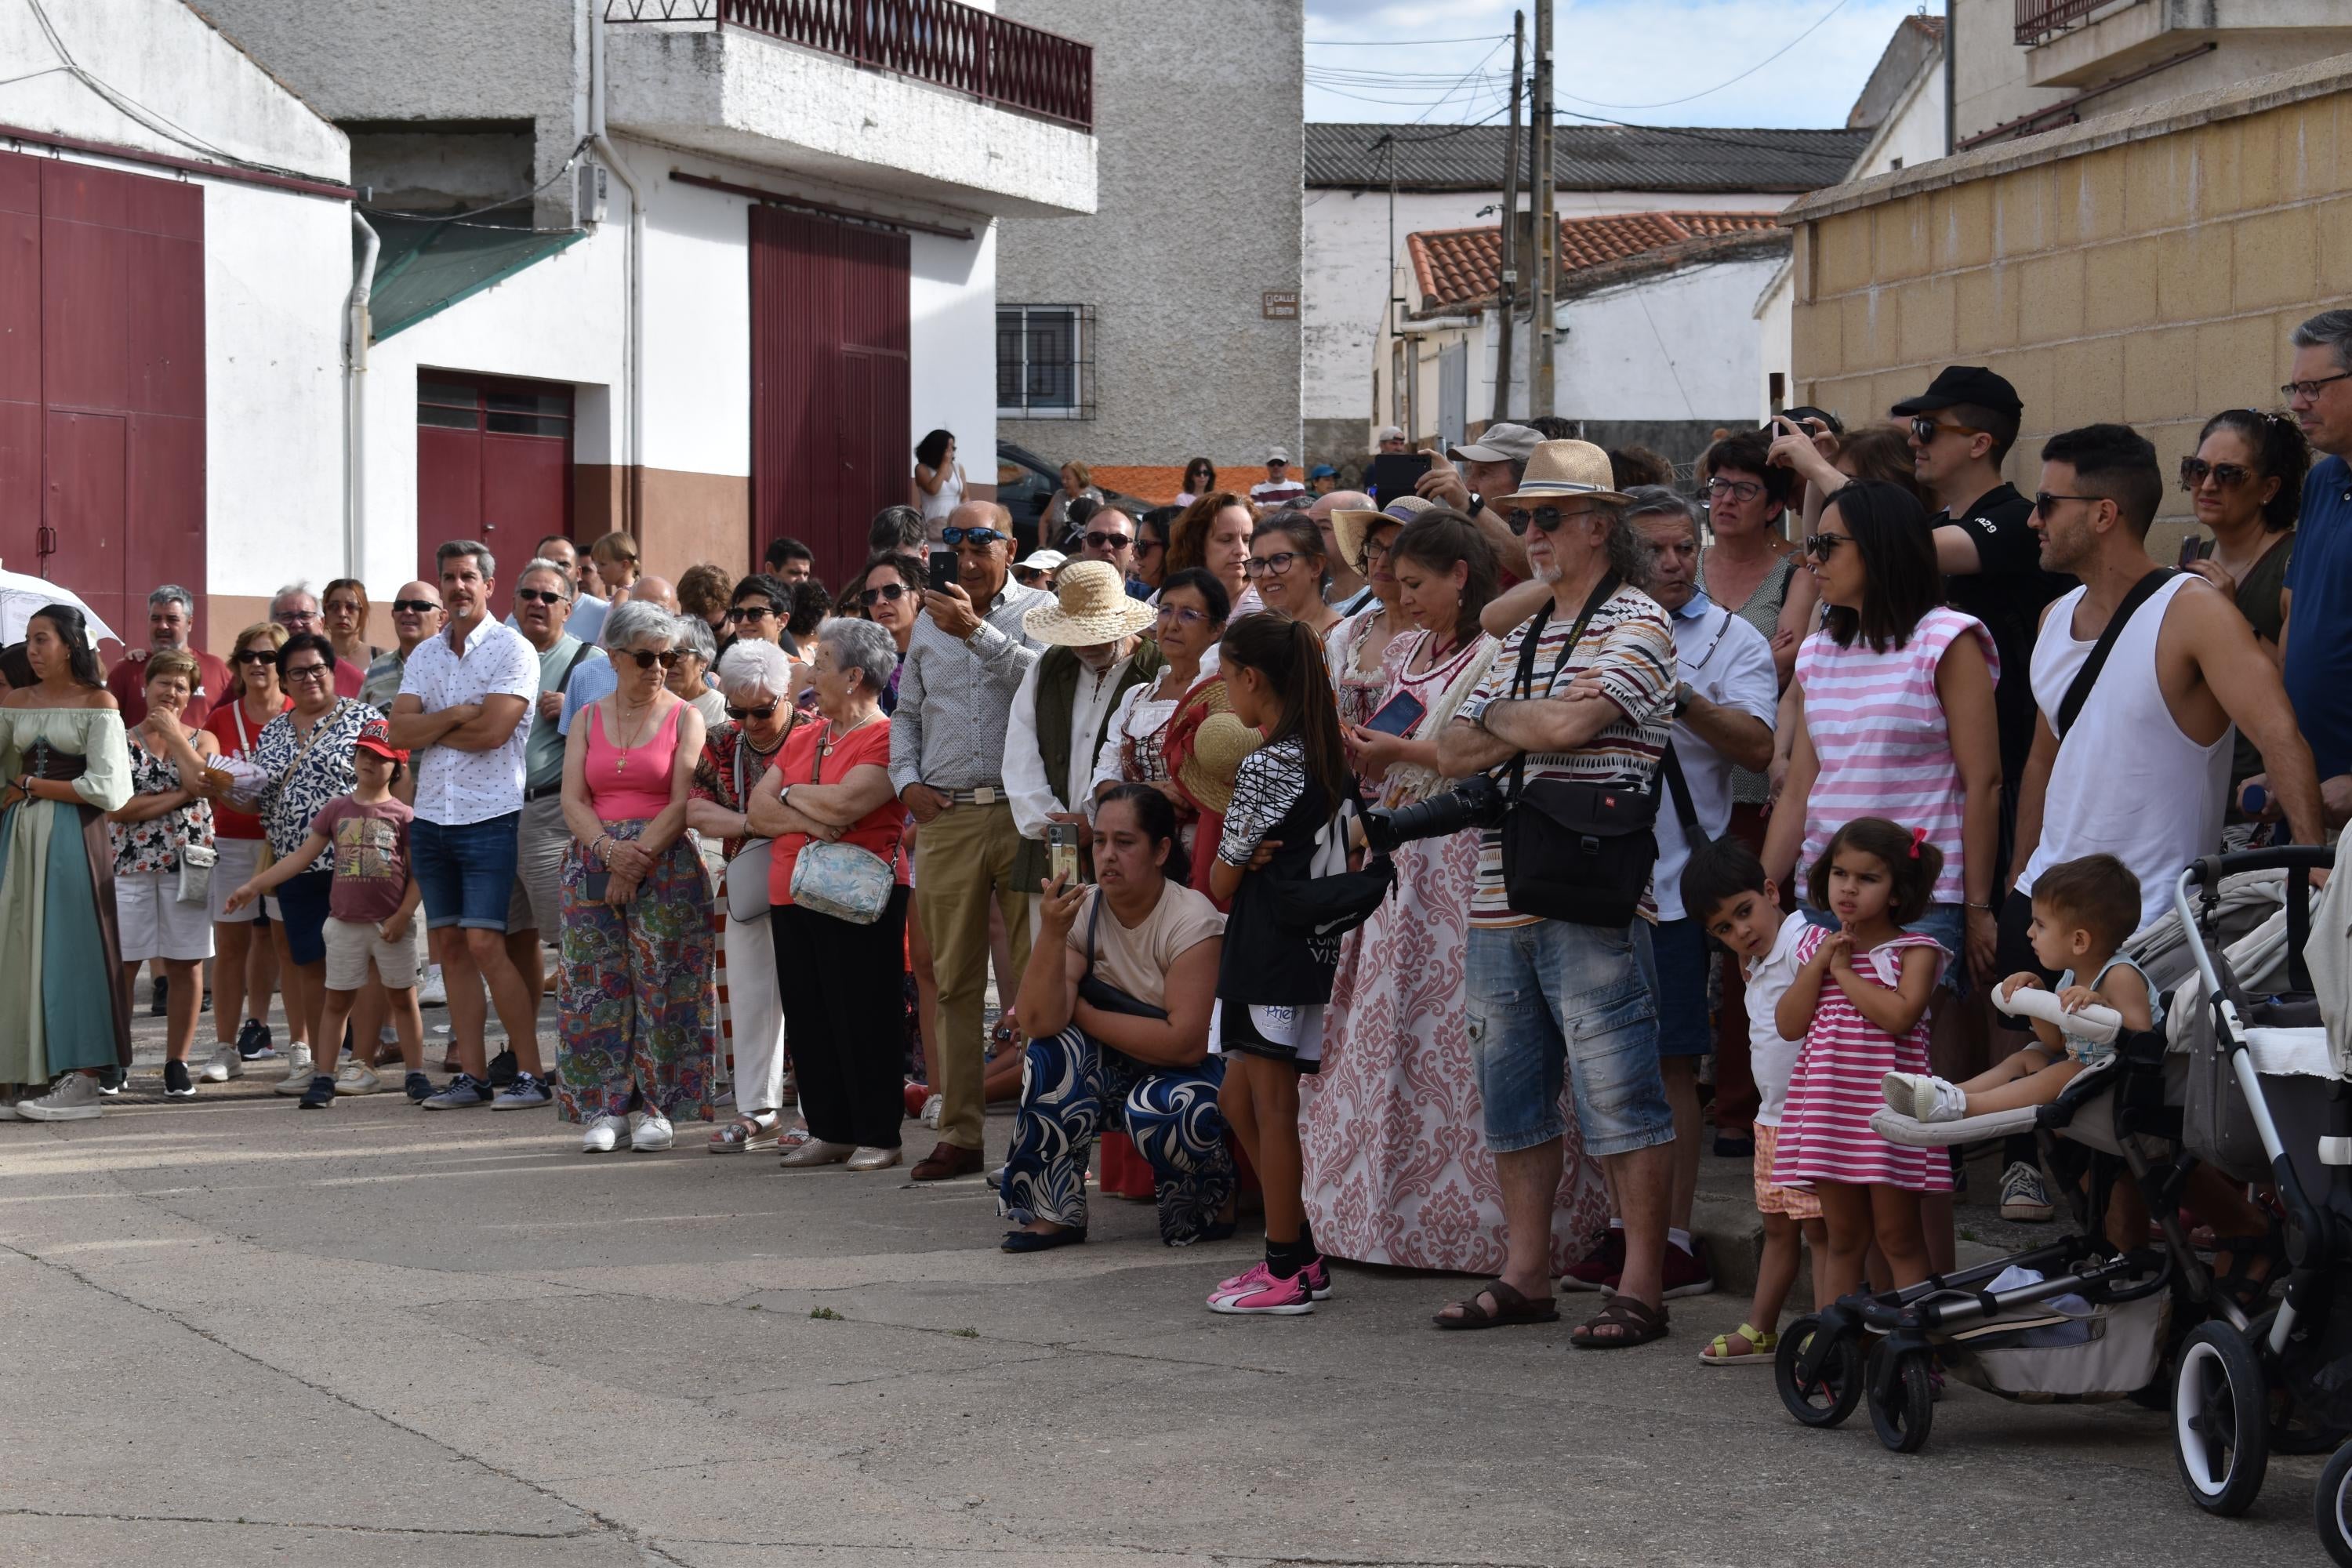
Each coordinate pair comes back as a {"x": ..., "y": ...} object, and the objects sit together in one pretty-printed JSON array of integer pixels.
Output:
[
  {"x": 833, "y": 735},
  {"x": 625, "y": 745}
]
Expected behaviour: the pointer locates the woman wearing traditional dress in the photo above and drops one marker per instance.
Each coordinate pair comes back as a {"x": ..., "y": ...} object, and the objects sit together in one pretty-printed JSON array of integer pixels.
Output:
[
  {"x": 1355, "y": 648},
  {"x": 64, "y": 764},
  {"x": 1192, "y": 609},
  {"x": 1396, "y": 1172}
]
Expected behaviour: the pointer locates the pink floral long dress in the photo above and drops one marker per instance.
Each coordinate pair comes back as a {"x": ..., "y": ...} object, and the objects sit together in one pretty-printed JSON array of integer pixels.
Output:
[{"x": 1397, "y": 1169}]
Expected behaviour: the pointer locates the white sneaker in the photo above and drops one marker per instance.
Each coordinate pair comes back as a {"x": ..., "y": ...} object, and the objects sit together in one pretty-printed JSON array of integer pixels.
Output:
[
  {"x": 227, "y": 1062},
  {"x": 603, "y": 1135},
  {"x": 357, "y": 1078},
  {"x": 1923, "y": 1097},
  {"x": 74, "y": 1097},
  {"x": 299, "y": 1072},
  {"x": 931, "y": 1108},
  {"x": 650, "y": 1131},
  {"x": 432, "y": 990}
]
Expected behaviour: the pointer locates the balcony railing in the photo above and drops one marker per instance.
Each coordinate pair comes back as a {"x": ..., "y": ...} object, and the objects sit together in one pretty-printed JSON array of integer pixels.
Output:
[
  {"x": 936, "y": 41},
  {"x": 2038, "y": 21}
]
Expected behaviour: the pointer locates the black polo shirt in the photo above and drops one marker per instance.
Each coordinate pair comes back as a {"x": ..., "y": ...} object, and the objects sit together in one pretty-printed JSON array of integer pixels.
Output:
[{"x": 2006, "y": 592}]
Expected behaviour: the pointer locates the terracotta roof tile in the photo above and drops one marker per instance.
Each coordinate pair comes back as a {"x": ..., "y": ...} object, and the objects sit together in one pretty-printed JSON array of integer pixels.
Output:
[{"x": 1458, "y": 266}]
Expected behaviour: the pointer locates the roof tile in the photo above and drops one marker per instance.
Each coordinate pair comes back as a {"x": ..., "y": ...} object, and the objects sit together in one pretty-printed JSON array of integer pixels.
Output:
[{"x": 1456, "y": 265}]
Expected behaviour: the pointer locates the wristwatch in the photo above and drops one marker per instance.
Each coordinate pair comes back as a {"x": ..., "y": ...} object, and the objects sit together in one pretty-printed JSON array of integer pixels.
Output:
[{"x": 1683, "y": 695}]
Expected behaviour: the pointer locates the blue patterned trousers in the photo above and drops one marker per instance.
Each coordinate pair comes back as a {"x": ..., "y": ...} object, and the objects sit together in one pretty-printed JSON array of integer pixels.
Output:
[{"x": 1066, "y": 1083}]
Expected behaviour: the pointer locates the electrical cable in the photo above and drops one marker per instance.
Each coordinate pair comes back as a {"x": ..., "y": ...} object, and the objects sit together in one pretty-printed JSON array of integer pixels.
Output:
[
  {"x": 1719, "y": 87},
  {"x": 1395, "y": 43},
  {"x": 570, "y": 160}
]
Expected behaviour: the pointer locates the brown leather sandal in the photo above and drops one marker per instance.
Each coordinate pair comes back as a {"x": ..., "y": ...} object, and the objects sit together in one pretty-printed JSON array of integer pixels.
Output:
[
  {"x": 1511, "y": 1306},
  {"x": 1635, "y": 1323}
]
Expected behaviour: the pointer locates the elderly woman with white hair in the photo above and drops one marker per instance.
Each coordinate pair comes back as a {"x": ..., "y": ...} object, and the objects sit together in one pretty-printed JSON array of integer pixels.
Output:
[
  {"x": 639, "y": 1005},
  {"x": 756, "y": 678},
  {"x": 839, "y": 886},
  {"x": 697, "y": 652}
]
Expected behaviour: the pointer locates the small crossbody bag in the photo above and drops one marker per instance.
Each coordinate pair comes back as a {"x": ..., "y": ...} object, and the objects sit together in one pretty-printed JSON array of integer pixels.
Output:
[{"x": 845, "y": 881}]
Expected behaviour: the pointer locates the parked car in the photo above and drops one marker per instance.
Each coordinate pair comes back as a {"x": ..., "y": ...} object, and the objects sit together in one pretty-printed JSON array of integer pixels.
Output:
[{"x": 1025, "y": 484}]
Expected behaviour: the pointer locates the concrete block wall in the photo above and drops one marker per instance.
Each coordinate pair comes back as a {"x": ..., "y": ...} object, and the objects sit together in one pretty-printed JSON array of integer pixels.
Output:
[{"x": 2147, "y": 268}]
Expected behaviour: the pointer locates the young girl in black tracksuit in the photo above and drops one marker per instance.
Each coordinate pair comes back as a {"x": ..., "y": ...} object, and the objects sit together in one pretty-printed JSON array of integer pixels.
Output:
[{"x": 1274, "y": 978}]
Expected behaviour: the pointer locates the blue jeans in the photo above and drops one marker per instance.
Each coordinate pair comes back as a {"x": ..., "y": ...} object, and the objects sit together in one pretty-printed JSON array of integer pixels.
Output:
[
  {"x": 1684, "y": 962},
  {"x": 1072, "y": 1087},
  {"x": 1553, "y": 1002},
  {"x": 465, "y": 874}
]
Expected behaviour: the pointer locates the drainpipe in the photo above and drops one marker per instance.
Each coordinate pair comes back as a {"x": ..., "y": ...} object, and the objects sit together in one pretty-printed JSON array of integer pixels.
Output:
[
  {"x": 632, "y": 423},
  {"x": 356, "y": 332}
]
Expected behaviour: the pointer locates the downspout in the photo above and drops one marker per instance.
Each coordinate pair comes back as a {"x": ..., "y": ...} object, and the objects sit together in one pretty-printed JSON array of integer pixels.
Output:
[
  {"x": 357, "y": 331},
  {"x": 632, "y": 423}
]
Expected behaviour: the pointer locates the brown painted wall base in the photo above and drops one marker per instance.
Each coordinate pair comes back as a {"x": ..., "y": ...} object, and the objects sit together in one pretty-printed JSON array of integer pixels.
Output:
[{"x": 687, "y": 519}]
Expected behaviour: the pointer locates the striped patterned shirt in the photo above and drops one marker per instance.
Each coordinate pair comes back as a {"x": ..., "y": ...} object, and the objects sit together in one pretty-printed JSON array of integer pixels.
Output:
[
  {"x": 1629, "y": 648},
  {"x": 1877, "y": 725}
]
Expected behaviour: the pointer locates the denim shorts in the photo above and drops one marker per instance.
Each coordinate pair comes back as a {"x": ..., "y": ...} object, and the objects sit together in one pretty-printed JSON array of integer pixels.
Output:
[
  {"x": 302, "y": 901},
  {"x": 1946, "y": 923},
  {"x": 466, "y": 874},
  {"x": 1683, "y": 959},
  {"x": 1552, "y": 1001}
]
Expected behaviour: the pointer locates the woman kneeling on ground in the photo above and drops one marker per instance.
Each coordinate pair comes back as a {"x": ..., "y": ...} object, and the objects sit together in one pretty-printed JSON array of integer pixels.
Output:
[{"x": 1117, "y": 1000}]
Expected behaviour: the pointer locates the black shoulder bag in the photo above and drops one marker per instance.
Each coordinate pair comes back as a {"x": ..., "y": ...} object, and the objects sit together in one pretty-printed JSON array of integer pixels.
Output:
[
  {"x": 1333, "y": 900},
  {"x": 2078, "y": 690},
  {"x": 1574, "y": 851},
  {"x": 1101, "y": 995}
]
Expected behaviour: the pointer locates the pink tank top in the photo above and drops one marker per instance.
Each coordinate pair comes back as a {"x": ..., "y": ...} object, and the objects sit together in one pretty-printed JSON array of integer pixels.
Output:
[{"x": 631, "y": 786}]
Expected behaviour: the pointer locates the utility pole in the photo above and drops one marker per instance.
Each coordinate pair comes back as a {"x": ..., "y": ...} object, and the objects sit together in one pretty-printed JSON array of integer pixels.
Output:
[
  {"x": 1507, "y": 295},
  {"x": 1952, "y": 80},
  {"x": 1546, "y": 260}
]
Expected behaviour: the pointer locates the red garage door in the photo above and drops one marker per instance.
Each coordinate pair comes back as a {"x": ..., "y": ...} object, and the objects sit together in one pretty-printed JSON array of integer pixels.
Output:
[
  {"x": 493, "y": 463},
  {"x": 829, "y": 441},
  {"x": 102, "y": 383}
]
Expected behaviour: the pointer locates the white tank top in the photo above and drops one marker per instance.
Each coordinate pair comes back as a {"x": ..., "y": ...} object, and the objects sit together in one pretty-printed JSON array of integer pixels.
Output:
[
  {"x": 2127, "y": 782},
  {"x": 950, "y": 496}
]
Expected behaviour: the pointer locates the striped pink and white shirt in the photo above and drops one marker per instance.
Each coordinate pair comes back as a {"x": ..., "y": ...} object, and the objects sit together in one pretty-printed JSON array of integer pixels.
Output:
[{"x": 1877, "y": 725}]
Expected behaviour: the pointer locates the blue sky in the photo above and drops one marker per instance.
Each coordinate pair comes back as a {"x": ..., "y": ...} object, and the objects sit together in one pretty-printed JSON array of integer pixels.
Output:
[{"x": 1612, "y": 55}]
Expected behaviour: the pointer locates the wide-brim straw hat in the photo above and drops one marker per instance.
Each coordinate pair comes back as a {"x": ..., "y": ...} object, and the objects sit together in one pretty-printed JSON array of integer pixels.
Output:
[
  {"x": 1564, "y": 471},
  {"x": 1206, "y": 743},
  {"x": 1091, "y": 605},
  {"x": 1351, "y": 525}
]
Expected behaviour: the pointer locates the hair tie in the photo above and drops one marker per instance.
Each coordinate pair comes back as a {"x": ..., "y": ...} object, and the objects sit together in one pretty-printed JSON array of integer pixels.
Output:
[{"x": 1918, "y": 836}]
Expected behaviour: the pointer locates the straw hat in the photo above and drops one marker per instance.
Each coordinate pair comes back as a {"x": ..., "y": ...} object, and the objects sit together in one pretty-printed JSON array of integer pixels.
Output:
[
  {"x": 1351, "y": 525},
  {"x": 1090, "y": 607},
  {"x": 1205, "y": 745},
  {"x": 1565, "y": 470}
]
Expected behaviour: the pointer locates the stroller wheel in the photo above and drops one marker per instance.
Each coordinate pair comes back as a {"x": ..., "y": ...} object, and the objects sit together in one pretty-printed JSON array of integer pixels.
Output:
[
  {"x": 2221, "y": 1420},
  {"x": 2333, "y": 1507},
  {"x": 1902, "y": 1418},
  {"x": 1829, "y": 1398}
]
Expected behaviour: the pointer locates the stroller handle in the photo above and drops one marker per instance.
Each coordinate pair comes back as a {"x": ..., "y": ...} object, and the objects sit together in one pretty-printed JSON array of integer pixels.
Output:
[
  {"x": 2208, "y": 870},
  {"x": 2095, "y": 1023}
]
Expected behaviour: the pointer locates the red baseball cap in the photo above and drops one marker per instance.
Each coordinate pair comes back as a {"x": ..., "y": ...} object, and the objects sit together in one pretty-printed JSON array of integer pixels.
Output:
[{"x": 375, "y": 736}]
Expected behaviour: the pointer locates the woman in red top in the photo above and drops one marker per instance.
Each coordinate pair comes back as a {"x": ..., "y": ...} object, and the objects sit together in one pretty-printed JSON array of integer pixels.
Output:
[
  {"x": 843, "y": 983},
  {"x": 245, "y": 972}
]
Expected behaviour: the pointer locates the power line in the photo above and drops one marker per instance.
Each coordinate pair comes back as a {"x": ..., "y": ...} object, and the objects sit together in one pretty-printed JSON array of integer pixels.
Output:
[
  {"x": 1398, "y": 43},
  {"x": 1719, "y": 87}
]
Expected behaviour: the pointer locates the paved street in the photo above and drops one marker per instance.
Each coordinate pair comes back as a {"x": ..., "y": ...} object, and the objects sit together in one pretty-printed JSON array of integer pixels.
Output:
[{"x": 373, "y": 1335}]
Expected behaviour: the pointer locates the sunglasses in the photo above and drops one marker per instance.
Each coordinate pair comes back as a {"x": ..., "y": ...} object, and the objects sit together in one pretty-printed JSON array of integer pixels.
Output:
[
  {"x": 979, "y": 536},
  {"x": 1924, "y": 430},
  {"x": 305, "y": 672},
  {"x": 762, "y": 715},
  {"x": 1109, "y": 541},
  {"x": 1820, "y": 546},
  {"x": 1277, "y": 565},
  {"x": 1544, "y": 519},
  {"x": 647, "y": 657},
  {"x": 893, "y": 591},
  {"x": 751, "y": 612},
  {"x": 2195, "y": 471},
  {"x": 2045, "y": 500},
  {"x": 255, "y": 656},
  {"x": 1028, "y": 574},
  {"x": 413, "y": 606},
  {"x": 539, "y": 597}
]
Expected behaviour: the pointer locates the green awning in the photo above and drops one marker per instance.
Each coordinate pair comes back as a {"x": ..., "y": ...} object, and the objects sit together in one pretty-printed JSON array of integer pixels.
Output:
[{"x": 424, "y": 266}]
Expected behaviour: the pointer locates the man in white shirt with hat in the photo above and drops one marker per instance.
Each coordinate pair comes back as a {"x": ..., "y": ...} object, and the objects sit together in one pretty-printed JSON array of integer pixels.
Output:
[
  {"x": 1490, "y": 467},
  {"x": 1280, "y": 489}
]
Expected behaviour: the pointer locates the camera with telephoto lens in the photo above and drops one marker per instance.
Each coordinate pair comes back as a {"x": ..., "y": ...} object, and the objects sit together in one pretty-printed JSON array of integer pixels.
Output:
[{"x": 1477, "y": 802}]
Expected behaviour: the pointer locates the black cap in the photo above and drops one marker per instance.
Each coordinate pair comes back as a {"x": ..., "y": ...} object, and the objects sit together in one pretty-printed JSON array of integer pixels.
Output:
[{"x": 1970, "y": 384}]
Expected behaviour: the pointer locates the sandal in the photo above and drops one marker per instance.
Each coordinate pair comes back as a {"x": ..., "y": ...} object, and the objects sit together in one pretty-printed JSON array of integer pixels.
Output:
[
  {"x": 742, "y": 1135},
  {"x": 1632, "y": 1323},
  {"x": 1511, "y": 1308},
  {"x": 1761, "y": 1346}
]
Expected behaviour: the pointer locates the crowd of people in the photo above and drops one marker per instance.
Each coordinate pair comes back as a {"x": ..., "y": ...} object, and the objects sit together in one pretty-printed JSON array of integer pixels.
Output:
[{"x": 1423, "y": 873}]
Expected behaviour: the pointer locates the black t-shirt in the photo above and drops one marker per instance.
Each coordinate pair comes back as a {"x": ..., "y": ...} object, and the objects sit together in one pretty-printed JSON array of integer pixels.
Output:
[{"x": 2007, "y": 592}]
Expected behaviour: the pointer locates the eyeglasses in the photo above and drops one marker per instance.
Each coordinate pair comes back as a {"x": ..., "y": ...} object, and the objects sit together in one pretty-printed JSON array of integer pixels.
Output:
[
  {"x": 1544, "y": 519},
  {"x": 647, "y": 657},
  {"x": 1277, "y": 565},
  {"x": 413, "y": 606},
  {"x": 305, "y": 672},
  {"x": 295, "y": 618},
  {"x": 1821, "y": 545},
  {"x": 893, "y": 591},
  {"x": 762, "y": 715},
  {"x": 2195, "y": 471},
  {"x": 1181, "y": 616},
  {"x": 255, "y": 656},
  {"x": 979, "y": 536},
  {"x": 343, "y": 608},
  {"x": 751, "y": 612},
  {"x": 1924, "y": 429},
  {"x": 539, "y": 597},
  {"x": 1376, "y": 550},
  {"x": 2309, "y": 390},
  {"x": 1741, "y": 490},
  {"x": 2043, "y": 500},
  {"x": 1101, "y": 541}
]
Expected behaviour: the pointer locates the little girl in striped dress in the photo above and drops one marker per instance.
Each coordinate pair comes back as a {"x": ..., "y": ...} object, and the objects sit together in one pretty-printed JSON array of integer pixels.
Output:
[{"x": 1859, "y": 1001}]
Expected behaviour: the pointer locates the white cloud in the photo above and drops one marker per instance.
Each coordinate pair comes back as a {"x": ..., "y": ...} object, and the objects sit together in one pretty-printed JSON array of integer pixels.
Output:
[{"x": 1617, "y": 52}]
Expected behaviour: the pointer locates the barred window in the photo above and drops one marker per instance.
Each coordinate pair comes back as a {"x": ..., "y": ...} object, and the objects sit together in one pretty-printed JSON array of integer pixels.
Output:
[{"x": 1044, "y": 361}]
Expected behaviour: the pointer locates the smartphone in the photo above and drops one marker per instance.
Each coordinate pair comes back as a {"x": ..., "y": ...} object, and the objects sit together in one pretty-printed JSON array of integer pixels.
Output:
[
  {"x": 1062, "y": 854},
  {"x": 2191, "y": 549},
  {"x": 1397, "y": 716},
  {"x": 1394, "y": 474},
  {"x": 943, "y": 573},
  {"x": 595, "y": 884}
]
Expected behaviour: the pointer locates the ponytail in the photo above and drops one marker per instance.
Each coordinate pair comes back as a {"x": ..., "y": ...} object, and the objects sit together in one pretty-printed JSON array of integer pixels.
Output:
[{"x": 1291, "y": 656}]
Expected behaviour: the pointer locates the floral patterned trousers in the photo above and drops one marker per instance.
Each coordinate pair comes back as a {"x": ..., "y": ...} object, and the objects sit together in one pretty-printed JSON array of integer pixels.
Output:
[{"x": 639, "y": 1005}]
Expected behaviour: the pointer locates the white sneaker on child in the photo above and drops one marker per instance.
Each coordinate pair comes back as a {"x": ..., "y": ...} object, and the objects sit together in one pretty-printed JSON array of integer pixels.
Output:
[{"x": 1923, "y": 1097}]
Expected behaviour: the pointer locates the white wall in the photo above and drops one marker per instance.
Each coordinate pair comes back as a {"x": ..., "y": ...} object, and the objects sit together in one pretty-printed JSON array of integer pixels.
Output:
[
  {"x": 1681, "y": 346},
  {"x": 1776, "y": 331},
  {"x": 951, "y": 346}
]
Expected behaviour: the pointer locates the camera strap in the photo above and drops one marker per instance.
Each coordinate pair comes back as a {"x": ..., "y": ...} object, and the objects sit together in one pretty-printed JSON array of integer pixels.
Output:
[
  {"x": 1678, "y": 787},
  {"x": 1522, "y": 678}
]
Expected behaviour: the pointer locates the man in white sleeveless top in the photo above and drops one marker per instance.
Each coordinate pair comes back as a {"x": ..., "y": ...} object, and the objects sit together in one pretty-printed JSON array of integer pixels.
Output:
[{"x": 2143, "y": 772}]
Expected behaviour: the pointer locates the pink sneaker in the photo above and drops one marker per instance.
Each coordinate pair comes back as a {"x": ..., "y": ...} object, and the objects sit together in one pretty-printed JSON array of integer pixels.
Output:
[
  {"x": 1270, "y": 1297},
  {"x": 1318, "y": 1279},
  {"x": 1249, "y": 1279}
]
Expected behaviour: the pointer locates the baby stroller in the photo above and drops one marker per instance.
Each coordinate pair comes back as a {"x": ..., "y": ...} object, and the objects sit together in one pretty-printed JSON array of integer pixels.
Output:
[{"x": 2073, "y": 1320}]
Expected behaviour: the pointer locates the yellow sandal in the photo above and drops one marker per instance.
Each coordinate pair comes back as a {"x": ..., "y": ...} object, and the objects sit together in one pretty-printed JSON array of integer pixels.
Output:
[{"x": 1761, "y": 1345}]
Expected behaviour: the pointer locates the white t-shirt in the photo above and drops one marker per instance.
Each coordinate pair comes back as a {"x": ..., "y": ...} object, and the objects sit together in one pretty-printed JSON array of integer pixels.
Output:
[{"x": 1770, "y": 1058}]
